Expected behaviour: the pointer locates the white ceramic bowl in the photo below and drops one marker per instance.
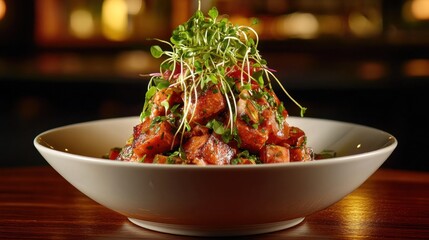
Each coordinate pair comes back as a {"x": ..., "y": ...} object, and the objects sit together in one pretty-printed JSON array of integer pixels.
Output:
[{"x": 215, "y": 200}]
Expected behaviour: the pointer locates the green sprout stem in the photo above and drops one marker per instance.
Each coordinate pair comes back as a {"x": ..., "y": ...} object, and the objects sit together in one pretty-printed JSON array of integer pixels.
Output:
[{"x": 204, "y": 50}]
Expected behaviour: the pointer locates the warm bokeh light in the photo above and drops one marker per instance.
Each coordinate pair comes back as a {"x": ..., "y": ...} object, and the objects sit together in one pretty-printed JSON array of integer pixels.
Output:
[
  {"x": 82, "y": 23},
  {"x": 416, "y": 68},
  {"x": 49, "y": 19},
  {"x": 372, "y": 70},
  {"x": 365, "y": 25},
  {"x": 420, "y": 9},
  {"x": 114, "y": 18},
  {"x": 2, "y": 9},
  {"x": 102, "y": 21},
  {"x": 298, "y": 25},
  {"x": 133, "y": 63},
  {"x": 135, "y": 6},
  {"x": 415, "y": 10}
]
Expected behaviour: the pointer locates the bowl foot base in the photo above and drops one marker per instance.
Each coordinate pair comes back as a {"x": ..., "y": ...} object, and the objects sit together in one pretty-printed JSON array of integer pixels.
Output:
[{"x": 212, "y": 231}]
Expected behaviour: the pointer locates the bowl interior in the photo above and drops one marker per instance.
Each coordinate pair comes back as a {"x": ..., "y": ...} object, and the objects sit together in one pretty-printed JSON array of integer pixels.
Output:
[
  {"x": 344, "y": 138},
  {"x": 91, "y": 139},
  {"x": 94, "y": 139}
]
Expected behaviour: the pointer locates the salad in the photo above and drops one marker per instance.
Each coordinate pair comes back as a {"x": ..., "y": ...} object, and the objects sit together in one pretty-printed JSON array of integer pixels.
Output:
[{"x": 212, "y": 102}]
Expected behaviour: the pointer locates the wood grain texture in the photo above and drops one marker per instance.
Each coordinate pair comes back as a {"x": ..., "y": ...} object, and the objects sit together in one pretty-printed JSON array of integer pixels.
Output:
[{"x": 37, "y": 203}]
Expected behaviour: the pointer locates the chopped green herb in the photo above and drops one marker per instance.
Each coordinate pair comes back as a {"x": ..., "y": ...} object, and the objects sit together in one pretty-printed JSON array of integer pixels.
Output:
[{"x": 204, "y": 51}]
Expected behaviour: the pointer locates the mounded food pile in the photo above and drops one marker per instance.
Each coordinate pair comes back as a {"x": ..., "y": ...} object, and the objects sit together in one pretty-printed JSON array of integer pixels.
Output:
[{"x": 212, "y": 102}]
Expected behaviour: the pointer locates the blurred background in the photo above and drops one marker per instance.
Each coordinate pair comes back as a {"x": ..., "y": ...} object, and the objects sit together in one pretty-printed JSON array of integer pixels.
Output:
[{"x": 361, "y": 61}]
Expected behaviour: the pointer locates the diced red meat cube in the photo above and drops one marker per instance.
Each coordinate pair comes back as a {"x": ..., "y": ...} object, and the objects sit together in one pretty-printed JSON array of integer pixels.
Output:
[
  {"x": 114, "y": 153},
  {"x": 276, "y": 100},
  {"x": 251, "y": 138},
  {"x": 274, "y": 154},
  {"x": 241, "y": 72},
  {"x": 208, "y": 149},
  {"x": 246, "y": 107},
  {"x": 153, "y": 138},
  {"x": 277, "y": 133},
  {"x": 197, "y": 130},
  {"x": 296, "y": 138},
  {"x": 299, "y": 154},
  {"x": 126, "y": 153},
  {"x": 170, "y": 95},
  {"x": 194, "y": 145},
  {"x": 160, "y": 159},
  {"x": 209, "y": 104}
]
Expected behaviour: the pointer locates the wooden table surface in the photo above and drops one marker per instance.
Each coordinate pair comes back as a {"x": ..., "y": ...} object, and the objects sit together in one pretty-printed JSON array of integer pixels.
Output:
[{"x": 37, "y": 203}]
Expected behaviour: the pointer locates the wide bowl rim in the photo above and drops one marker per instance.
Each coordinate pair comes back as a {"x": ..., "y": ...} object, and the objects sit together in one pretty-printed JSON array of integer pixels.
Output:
[{"x": 387, "y": 148}]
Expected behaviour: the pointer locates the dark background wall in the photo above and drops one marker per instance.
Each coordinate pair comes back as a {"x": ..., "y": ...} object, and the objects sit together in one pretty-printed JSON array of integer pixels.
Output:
[{"x": 334, "y": 78}]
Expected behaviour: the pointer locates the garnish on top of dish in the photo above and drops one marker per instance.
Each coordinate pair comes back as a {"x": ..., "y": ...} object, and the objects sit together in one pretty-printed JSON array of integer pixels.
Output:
[{"x": 213, "y": 102}]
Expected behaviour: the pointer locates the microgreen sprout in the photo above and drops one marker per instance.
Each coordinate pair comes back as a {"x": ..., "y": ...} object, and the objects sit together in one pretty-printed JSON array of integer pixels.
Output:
[{"x": 204, "y": 51}]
